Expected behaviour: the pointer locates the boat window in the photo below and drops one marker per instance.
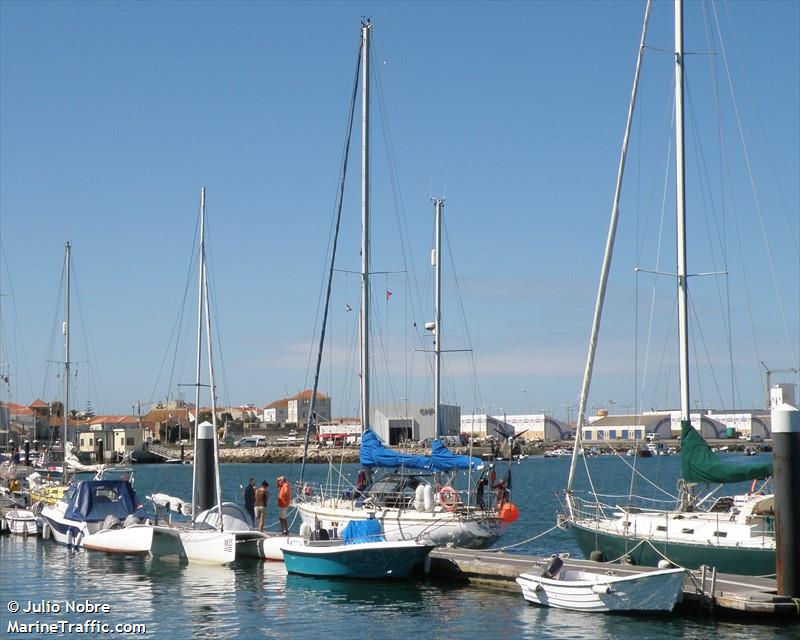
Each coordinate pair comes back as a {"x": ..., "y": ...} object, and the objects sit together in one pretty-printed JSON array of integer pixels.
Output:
[
  {"x": 661, "y": 527},
  {"x": 721, "y": 534},
  {"x": 689, "y": 531}
]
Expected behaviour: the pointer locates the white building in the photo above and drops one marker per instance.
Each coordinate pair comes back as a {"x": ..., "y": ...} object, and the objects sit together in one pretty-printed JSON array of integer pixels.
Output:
[
  {"x": 536, "y": 426},
  {"x": 410, "y": 423},
  {"x": 612, "y": 428},
  {"x": 298, "y": 407},
  {"x": 783, "y": 393},
  {"x": 277, "y": 412},
  {"x": 116, "y": 434}
]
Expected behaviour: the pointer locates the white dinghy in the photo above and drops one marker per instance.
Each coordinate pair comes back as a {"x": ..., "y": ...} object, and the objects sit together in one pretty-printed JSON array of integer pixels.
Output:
[{"x": 582, "y": 590}]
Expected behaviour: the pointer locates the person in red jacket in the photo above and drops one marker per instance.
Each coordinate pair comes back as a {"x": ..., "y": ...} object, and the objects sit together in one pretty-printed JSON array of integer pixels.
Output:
[{"x": 284, "y": 500}]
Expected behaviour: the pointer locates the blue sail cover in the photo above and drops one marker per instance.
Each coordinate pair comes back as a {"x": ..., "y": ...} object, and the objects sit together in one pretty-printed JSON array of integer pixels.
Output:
[
  {"x": 445, "y": 460},
  {"x": 376, "y": 454},
  {"x": 93, "y": 500}
]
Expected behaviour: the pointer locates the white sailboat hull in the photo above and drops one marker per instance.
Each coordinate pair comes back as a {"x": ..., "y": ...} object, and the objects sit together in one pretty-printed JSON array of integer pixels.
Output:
[
  {"x": 133, "y": 540},
  {"x": 208, "y": 546},
  {"x": 440, "y": 528},
  {"x": 587, "y": 591}
]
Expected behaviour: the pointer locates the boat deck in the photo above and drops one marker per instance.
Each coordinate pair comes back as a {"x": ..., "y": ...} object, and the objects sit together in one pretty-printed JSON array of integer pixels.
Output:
[{"x": 704, "y": 592}]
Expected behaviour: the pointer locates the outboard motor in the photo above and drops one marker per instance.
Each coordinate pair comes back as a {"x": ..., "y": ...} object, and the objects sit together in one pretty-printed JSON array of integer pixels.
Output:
[
  {"x": 553, "y": 568},
  {"x": 131, "y": 520},
  {"x": 112, "y": 522}
]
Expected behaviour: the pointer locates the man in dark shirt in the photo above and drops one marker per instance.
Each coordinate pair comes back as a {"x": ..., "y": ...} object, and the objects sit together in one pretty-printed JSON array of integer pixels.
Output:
[{"x": 250, "y": 498}]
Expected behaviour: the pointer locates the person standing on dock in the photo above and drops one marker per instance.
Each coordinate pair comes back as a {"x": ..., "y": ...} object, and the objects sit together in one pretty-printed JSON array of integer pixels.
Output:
[
  {"x": 250, "y": 498},
  {"x": 284, "y": 499},
  {"x": 261, "y": 500}
]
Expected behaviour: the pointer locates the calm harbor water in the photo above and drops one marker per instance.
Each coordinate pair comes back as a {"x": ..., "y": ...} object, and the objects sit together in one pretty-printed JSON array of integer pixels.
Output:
[{"x": 254, "y": 599}]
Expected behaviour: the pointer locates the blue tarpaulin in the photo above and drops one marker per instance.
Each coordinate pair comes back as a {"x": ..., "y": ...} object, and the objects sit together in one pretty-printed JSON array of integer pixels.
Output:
[
  {"x": 94, "y": 500},
  {"x": 445, "y": 460},
  {"x": 362, "y": 531},
  {"x": 376, "y": 454}
]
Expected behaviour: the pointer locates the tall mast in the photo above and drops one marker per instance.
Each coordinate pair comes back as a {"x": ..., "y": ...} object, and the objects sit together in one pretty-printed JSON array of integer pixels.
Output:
[
  {"x": 65, "y": 329},
  {"x": 438, "y": 204},
  {"x": 198, "y": 345},
  {"x": 609, "y": 252},
  {"x": 366, "y": 27},
  {"x": 680, "y": 212},
  {"x": 212, "y": 384}
]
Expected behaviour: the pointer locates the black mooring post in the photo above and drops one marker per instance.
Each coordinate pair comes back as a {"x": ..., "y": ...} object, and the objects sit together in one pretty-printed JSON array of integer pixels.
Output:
[{"x": 786, "y": 478}]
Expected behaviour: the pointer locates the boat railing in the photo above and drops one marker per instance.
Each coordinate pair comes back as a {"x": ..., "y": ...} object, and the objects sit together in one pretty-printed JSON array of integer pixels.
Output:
[
  {"x": 599, "y": 506},
  {"x": 448, "y": 498}
]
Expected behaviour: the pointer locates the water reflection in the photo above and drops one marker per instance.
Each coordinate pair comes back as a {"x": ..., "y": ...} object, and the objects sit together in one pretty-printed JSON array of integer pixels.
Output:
[{"x": 255, "y": 599}]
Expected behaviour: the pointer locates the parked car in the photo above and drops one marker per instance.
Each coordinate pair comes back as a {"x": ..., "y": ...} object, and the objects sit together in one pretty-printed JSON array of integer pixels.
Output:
[{"x": 251, "y": 441}]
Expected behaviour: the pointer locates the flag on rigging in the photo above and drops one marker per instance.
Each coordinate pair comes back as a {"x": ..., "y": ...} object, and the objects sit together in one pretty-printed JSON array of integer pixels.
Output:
[{"x": 388, "y": 294}]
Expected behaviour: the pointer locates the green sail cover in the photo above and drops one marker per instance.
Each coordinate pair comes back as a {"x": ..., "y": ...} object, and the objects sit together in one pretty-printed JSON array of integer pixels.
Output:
[{"x": 700, "y": 464}]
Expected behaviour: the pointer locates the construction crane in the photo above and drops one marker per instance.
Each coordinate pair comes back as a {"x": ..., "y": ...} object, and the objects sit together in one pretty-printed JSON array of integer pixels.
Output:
[{"x": 769, "y": 373}]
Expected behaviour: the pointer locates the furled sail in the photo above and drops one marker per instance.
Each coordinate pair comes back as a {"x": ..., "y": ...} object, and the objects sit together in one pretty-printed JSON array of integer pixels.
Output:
[
  {"x": 700, "y": 464},
  {"x": 376, "y": 454}
]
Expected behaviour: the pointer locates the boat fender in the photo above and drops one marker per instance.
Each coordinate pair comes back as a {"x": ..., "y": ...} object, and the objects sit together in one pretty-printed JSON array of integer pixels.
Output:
[
  {"x": 305, "y": 531},
  {"x": 601, "y": 589},
  {"x": 665, "y": 564},
  {"x": 419, "y": 498},
  {"x": 597, "y": 556},
  {"x": 553, "y": 568},
  {"x": 448, "y": 498},
  {"x": 428, "y": 498},
  {"x": 45, "y": 531},
  {"x": 3, "y": 525}
]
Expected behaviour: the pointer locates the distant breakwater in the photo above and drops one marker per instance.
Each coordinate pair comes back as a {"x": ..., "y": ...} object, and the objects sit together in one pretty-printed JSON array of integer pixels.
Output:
[
  {"x": 286, "y": 454},
  {"x": 350, "y": 455}
]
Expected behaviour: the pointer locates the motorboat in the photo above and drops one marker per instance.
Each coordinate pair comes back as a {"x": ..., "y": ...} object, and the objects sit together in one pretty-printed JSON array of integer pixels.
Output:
[{"x": 362, "y": 552}]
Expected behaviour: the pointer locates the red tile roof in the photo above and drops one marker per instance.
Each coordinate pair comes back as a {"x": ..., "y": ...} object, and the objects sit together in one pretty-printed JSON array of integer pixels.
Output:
[{"x": 306, "y": 395}]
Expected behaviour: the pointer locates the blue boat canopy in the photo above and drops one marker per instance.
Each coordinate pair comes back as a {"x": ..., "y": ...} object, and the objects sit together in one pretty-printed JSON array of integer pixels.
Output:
[
  {"x": 376, "y": 454},
  {"x": 94, "y": 500},
  {"x": 358, "y": 531}
]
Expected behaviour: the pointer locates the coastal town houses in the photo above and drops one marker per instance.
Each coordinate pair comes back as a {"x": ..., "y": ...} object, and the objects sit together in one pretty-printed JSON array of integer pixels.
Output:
[
  {"x": 109, "y": 438},
  {"x": 17, "y": 423},
  {"x": 167, "y": 424},
  {"x": 299, "y": 405},
  {"x": 277, "y": 412}
]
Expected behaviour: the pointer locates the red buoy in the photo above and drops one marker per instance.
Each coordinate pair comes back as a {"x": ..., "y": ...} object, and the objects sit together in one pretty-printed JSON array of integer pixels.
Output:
[{"x": 509, "y": 513}]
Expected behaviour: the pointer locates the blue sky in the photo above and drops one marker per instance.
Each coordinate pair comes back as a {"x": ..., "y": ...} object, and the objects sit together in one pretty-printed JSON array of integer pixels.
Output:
[{"x": 113, "y": 115}]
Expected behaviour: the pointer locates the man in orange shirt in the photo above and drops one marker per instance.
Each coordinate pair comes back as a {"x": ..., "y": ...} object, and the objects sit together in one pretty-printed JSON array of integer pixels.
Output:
[{"x": 284, "y": 500}]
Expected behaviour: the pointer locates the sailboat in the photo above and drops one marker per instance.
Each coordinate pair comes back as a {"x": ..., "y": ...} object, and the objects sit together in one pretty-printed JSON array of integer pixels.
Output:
[
  {"x": 733, "y": 535},
  {"x": 216, "y": 532},
  {"x": 404, "y": 499}
]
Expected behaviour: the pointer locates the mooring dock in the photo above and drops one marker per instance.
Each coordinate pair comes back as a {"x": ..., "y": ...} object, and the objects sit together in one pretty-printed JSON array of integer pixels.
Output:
[{"x": 704, "y": 591}]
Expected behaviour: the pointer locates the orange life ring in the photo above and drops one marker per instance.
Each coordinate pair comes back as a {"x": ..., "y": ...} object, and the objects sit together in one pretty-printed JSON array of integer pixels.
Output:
[{"x": 448, "y": 498}]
